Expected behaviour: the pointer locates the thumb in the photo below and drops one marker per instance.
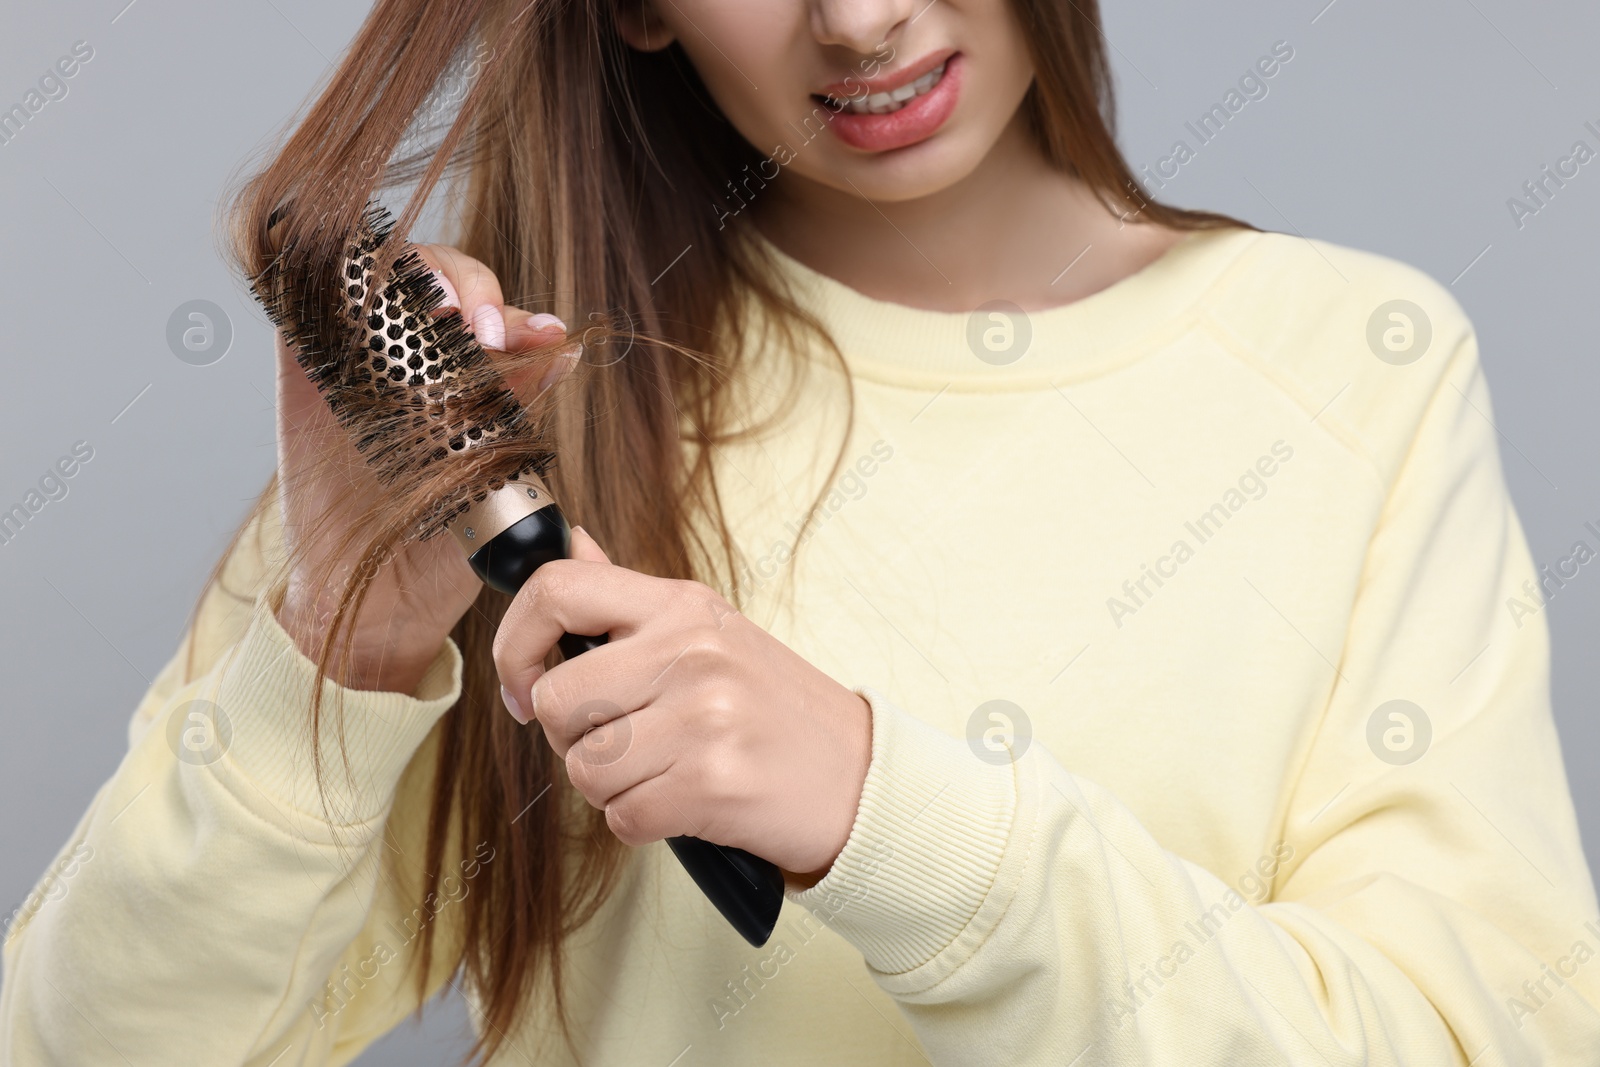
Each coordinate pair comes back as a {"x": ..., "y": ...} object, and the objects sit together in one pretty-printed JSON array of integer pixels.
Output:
[{"x": 585, "y": 547}]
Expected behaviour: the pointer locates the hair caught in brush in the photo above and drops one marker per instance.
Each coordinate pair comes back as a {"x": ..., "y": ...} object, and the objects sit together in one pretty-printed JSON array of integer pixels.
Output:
[{"x": 407, "y": 381}]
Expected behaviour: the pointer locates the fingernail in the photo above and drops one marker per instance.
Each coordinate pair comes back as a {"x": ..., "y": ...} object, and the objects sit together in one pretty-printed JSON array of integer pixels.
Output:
[
  {"x": 544, "y": 321},
  {"x": 489, "y": 327},
  {"x": 513, "y": 706},
  {"x": 451, "y": 300}
]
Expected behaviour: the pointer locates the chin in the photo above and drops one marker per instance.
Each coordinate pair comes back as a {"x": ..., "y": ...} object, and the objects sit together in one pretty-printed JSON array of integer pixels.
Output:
[{"x": 910, "y": 173}]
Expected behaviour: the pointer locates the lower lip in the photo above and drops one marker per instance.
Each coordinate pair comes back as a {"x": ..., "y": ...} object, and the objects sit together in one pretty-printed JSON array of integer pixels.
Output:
[{"x": 917, "y": 121}]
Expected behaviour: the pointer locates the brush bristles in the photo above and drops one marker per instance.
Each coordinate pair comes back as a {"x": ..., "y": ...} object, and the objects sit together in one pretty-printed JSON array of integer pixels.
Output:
[{"x": 411, "y": 388}]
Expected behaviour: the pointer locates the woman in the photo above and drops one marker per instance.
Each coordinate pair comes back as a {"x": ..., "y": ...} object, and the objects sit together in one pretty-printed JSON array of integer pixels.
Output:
[{"x": 1094, "y": 608}]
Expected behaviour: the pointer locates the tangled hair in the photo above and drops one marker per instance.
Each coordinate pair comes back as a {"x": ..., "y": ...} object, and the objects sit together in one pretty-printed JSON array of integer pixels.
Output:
[{"x": 584, "y": 167}]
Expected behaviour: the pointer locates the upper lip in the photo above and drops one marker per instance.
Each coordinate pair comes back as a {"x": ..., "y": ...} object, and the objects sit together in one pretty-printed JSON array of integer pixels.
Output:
[{"x": 855, "y": 87}]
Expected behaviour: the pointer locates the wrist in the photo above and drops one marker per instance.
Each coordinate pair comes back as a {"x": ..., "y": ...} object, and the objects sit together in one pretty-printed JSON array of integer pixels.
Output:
[
  {"x": 940, "y": 843},
  {"x": 849, "y": 760},
  {"x": 386, "y": 661}
]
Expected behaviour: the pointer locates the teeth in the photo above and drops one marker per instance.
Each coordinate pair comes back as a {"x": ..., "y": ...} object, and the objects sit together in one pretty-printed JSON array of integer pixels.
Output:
[{"x": 884, "y": 103}]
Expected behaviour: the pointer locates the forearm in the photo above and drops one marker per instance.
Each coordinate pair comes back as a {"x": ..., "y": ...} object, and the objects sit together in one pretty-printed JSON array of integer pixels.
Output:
[
  {"x": 1021, "y": 914},
  {"x": 219, "y": 897}
]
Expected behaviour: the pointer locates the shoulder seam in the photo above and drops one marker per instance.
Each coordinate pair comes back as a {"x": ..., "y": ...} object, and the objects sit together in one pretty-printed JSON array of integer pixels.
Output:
[
  {"x": 1316, "y": 413},
  {"x": 1315, "y": 409}
]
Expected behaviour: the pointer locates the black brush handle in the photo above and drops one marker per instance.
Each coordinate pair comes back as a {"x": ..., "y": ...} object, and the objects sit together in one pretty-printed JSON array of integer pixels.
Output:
[{"x": 746, "y": 889}]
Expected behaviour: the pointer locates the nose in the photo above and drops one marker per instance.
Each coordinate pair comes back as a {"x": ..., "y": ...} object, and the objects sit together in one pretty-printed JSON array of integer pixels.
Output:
[{"x": 859, "y": 25}]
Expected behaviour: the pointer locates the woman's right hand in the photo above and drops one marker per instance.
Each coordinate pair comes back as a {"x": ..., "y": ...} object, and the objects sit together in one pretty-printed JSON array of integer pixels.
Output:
[{"x": 324, "y": 486}]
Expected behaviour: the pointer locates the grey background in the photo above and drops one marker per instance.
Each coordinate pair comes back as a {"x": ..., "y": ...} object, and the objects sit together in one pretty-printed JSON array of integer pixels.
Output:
[{"x": 1402, "y": 128}]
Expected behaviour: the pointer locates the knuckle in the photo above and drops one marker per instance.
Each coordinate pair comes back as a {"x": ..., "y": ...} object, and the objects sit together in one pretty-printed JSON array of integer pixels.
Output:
[
  {"x": 442, "y": 258},
  {"x": 551, "y": 707},
  {"x": 472, "y": 278},
  {"x": 605, "y": 734},
  {"x": 701, "y": 607},
  {"x": 683, "y": 593},
  {"x": 702, "y": 649},
  {"x": 478, "y": 284},
  {"x": 510, "y": 655},
  {"x": 501, "y": 652},
  {"x": 552, "y": 581},
  {"x": 720, "y": 781},
  {"x": 581, "y": 773},
  {"x": 698, "y": 597},
  {"x": 531, "y": 601},
  {"x": 719, "y": 716}
]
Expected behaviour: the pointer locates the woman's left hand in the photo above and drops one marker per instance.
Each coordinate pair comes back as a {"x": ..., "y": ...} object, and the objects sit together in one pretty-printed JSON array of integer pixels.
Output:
[{"x": 691, "y": 719}]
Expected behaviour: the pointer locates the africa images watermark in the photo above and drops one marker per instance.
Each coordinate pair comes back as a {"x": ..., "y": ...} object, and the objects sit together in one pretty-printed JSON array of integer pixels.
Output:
[
  {"x": 1252, "y": 485},
  {"x": 850, "y": 486},
  {"x": 52, "y": 86},
  {"x": 199, "y": 332},
  {"x": 1252, "y": 887},
  {"x": 1553, "y": 578},
  {"x": 1399, "y": 732},
  {"x": 342, "y": 988},
  {"x": 1538, "y": 191},
  {"x": 809, "y": 129},
  {"x": 1536, "y": 993},
  {"x": 740, "y": 991},
  {"x": 999, "y": 731},
  {"x": 52, "y": 887},
  {"x": 51, "y": 486},
  {"x": 1252, "y": 85},
  {"x": 437, "y": 110}
]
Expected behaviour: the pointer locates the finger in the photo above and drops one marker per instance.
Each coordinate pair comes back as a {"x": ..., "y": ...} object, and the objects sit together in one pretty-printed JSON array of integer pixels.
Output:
[
  {"x": 586, "y": 547},
  {"x": 579, "y": 694},
  {"x": 526, "y": 331},
  {"x": 544, "y": 335},
  {"x": 648, "y": 812},
  {"x": 476, "y": 288},
  {"x": 613, "y": 758},
  {"x": 563, "y": 362},
  {"x": 569, "y": 596},
  {"x": 636, "y": 667},
  {"x": 451, "y": 300},
  {"x": 617, "y": 678}
]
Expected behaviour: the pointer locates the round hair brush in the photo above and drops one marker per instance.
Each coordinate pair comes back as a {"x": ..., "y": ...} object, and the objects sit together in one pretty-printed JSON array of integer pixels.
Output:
[{"x": 413, "y": 388}]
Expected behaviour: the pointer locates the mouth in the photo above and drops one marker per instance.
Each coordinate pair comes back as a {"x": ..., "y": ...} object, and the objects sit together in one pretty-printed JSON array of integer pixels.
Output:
[
  {"x": 896, "y": 110},
  {"x": 884, "y": 103}
]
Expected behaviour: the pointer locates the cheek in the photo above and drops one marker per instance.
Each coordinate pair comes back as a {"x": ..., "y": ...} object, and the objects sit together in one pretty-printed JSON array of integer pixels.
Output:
[
  {"x": 749, "y": 54},
  {"x": 1000, "y": 67}
]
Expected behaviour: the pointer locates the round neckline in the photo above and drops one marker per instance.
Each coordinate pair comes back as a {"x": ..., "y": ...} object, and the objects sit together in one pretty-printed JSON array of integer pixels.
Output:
[{"x": 898, "y": 344}]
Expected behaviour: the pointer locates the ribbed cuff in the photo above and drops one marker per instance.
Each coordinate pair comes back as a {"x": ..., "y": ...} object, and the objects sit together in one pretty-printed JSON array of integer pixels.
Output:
[
  {"x": 925, "y": 849},
  {"x": 264, "y": 700}
]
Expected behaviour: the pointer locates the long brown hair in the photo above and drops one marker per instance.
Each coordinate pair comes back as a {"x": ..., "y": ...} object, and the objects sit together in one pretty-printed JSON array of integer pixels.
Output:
[{"x": 588, "y": 168}]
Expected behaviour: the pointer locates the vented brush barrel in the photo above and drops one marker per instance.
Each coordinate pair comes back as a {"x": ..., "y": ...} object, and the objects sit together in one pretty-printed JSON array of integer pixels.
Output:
[{"x": 746, "y": 889}]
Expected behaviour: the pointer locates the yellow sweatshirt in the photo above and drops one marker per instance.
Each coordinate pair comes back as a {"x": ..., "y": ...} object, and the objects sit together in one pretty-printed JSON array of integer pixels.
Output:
[{"x": 1211, "y": 726}]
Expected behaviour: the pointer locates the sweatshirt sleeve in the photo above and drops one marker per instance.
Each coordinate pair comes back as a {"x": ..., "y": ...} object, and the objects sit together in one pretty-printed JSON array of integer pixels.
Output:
[
  {"x": 207, "y": 908},
  {"x": 1433, "y": 912}
]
